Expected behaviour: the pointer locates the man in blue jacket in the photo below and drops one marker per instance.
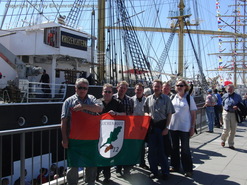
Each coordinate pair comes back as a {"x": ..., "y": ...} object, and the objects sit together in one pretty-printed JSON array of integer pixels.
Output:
[{"x": 229, "y": 101}]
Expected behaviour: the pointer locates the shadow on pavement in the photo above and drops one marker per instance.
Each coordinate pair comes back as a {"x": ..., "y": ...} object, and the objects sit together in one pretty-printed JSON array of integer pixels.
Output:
[
  {"x": 206, "y": 178},
  {"x": 199, "y": 155}
]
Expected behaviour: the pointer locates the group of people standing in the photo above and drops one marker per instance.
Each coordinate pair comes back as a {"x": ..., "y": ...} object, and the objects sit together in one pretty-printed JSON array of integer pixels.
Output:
[{"x": 169, "y": 115}]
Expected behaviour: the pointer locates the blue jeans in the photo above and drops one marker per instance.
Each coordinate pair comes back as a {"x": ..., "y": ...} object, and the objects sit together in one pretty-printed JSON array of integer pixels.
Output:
[
  {"x": 186, "y": 159},
  {"x": 211, "y": 117},
  {"x": 156, "y": 152}
]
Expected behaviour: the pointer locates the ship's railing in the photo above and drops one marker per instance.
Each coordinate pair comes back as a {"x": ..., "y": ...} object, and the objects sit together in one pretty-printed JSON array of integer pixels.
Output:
[
  {"x": 34, "y": 148},
  {"x": 42, "y": 92},
  {"x": 6, "y": 95},
  {"x": 200, "y": 119},
  {"x": 31, "y": 149}
]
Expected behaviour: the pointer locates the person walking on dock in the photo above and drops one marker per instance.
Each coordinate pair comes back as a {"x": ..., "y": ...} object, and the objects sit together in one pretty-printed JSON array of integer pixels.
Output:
[
  {"x": 229, "y": 102},
  {"x": 218, "y": 109}
]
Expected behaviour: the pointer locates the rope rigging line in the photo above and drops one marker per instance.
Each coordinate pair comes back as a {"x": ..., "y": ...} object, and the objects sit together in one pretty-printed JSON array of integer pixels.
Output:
[
  {"x": 139, "y": 60},
  {"x": 204, "y": 83}
]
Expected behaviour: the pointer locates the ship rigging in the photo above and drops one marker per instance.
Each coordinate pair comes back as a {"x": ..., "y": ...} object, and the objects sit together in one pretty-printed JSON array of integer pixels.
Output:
[{"x": 123, "y": 55}]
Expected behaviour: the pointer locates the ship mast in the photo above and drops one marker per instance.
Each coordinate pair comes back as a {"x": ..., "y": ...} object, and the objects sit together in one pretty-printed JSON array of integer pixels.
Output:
[
  {"x": 180, "y": 18},
  {"x": 101, "y": 41},
  {"x": 244, "y": 57},
  {"x": 238, "y": 66},
  {"x": 181, "y": 15},
  {"x": 235, "y": 48}
]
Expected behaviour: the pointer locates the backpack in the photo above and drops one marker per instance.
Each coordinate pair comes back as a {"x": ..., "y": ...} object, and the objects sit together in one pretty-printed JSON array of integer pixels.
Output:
[{"x": 241, "y": 112}]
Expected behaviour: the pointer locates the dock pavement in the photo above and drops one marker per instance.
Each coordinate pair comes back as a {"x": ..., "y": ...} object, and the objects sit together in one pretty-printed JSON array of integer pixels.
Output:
[{"x": 213, "y": 164}]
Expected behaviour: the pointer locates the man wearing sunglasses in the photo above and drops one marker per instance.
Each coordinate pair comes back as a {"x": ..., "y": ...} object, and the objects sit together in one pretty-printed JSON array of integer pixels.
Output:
[
  {"x": 113, "y": 107},
  {"x": 80, "y": 101}
]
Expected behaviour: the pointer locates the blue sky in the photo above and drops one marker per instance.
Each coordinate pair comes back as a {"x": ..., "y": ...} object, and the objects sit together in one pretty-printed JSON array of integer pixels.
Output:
[{"x": 154, "y": 13}]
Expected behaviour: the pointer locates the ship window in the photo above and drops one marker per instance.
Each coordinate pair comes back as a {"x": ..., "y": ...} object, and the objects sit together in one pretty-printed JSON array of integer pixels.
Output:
[
  {"x": 51, "y": 36},
  {"x": 25, "y": 59},
  {"x": 44, "y": 119},
  {"x": 21, "y": 121}
]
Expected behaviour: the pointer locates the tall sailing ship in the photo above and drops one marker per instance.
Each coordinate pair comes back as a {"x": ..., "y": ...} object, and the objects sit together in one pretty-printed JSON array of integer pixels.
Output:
[
  {"x": 127, "y": 41},
  {"x": 105, "y": 41},
  {"x": 231, "y": 52},
  {"x": 108, "y": 42}
]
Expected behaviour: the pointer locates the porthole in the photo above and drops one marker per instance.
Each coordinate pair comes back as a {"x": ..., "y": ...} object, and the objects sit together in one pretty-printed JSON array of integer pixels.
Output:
[
  {"x": 21, "y": 121},
  {"x": 44, "y": 119}
]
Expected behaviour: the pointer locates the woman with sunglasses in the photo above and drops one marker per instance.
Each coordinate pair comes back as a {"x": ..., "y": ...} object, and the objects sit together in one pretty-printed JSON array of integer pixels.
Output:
[{"x": 181, "y": 129}]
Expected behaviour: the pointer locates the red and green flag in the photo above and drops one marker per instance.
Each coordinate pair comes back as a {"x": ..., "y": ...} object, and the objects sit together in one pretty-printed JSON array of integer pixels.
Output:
[{"x": 106, "y": 140}]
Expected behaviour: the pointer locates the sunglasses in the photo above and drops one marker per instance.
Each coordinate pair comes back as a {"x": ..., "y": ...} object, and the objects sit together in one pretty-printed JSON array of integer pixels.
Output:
[
  {"x": 82, "y": 88},
  {"x": 180, "y": 85},
  {"x": 108, "y": 92}
]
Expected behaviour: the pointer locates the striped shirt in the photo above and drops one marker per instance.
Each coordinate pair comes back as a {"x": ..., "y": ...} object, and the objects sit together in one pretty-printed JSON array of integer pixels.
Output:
[{"x": 127, "y": 102}]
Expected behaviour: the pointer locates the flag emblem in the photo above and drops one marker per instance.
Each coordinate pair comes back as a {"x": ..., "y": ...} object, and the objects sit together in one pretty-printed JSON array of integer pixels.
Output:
[{"x": 111, "y": 137}]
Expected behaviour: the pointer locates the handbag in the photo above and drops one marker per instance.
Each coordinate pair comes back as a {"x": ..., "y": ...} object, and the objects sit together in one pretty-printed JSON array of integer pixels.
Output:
[{"x": 239, "y": 116}]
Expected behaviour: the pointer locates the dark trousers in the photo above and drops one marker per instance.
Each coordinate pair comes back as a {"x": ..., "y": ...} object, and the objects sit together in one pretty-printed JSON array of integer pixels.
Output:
[
  {"x": 46, "y": 90},
  {"x": 217, "y": 111},
  {"x": 156, "y": 152},
  {"x": 126, "y": 169},
  {"x": 167, "y": 144},
  {"x": 106, "y": 171},
  {"x": 143, "y": 163},
  {"x": 184, "y": 138}
]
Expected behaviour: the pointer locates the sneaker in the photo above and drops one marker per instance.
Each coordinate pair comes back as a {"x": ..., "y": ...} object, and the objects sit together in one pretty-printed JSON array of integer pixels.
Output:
[
  {"x": 172, "y": 169},
  {"x": 188, "y": 174},
  {"x": 153, "y": 176},
  {"x": 232, "y": 147},
  {"x": 119, "y": 174}
]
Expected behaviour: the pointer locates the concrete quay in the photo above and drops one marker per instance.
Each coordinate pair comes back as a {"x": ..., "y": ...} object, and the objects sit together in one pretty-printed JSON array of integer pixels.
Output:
[{"x": 213, "y": 164}]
